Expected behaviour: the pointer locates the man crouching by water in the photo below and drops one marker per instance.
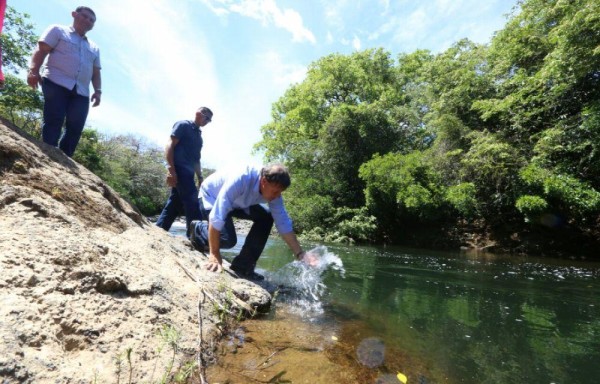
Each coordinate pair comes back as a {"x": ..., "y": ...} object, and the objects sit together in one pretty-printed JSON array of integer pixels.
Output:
[{"x": 224, "y": 195}]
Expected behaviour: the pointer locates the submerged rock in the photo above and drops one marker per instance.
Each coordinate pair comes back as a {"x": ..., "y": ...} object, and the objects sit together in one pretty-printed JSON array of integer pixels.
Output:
[{"x": 371, "y": 352}]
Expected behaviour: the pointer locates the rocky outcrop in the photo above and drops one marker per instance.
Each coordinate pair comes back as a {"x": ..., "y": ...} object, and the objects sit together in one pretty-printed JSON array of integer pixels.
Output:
[{"x": 90, "y": 291}]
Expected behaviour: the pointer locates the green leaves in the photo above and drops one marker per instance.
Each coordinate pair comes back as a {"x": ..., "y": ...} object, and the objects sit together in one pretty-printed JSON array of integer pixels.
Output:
[
  {"x": 17, "y": 40},
  {"x": 21, "y": 105},
  {"x": 487, "y": 133},
  {"x": 18, "y": 102},
  {"x": 565, "y": 194},
  {"x": 131, "y": 166}
]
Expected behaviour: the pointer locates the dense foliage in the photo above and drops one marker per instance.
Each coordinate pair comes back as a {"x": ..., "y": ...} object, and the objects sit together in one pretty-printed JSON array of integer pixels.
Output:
[
  {"x": 128, "y": 164},
  {"x": 505, "y": 135}
]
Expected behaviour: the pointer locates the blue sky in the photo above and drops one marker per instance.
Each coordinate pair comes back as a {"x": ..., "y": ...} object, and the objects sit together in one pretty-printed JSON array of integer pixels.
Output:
[{"x": 162, "y": 59}]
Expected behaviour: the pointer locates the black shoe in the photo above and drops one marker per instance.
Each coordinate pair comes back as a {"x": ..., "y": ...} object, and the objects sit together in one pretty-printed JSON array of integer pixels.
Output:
[{"x": 248, "y": 275}]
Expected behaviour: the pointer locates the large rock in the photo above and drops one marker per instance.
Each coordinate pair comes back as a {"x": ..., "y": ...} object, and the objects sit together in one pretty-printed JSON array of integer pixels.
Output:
[{"x": 84, "y": 278}]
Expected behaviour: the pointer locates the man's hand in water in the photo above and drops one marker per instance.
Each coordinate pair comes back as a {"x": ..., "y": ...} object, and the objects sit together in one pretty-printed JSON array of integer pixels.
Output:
[{"x": 309, "y": 259}]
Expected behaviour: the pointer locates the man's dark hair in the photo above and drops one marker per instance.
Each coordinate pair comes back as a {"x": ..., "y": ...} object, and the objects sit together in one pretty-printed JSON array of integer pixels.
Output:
[
  {"x": 206, "y": 110},
  {"x": 278, "y": 174},
  {"x": 84, "y": 8}
]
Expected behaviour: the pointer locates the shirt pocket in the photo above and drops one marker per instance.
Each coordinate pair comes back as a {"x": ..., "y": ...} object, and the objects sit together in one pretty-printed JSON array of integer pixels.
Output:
[{"x": 67, "y": 47}]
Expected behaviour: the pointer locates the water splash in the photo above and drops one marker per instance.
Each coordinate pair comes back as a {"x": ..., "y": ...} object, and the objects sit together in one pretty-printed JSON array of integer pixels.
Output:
[{"x": 301, "y": 285}]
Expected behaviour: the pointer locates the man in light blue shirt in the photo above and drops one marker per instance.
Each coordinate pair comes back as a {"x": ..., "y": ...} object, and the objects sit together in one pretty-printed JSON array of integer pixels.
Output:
[
  {"x": 242, "y": 194},
  {"x": 73, "y": 62}
]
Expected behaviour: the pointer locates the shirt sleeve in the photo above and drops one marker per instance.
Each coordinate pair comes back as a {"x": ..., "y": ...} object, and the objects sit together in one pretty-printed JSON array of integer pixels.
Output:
[
  {"x": 51, "y": 36},
  {"x": 232, "y": 188},
  {"x": 179, "y": 130},
  {"x": 282, "y": 220}
]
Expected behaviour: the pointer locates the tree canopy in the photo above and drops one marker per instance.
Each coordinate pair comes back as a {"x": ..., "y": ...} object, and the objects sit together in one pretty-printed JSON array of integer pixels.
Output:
[{"x": 499, "y": 135}]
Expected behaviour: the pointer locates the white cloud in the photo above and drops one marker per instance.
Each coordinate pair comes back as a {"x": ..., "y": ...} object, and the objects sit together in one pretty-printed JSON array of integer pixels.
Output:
[
  {"x": 386, "y": 6},
  {"x": 414, "y": 27},
  {"x": 261, "y": 81},
  {"x": 155, "y": 71},
  {"x": 267, "y": 12},
  {"x": 356, "y": 43},
  {"x": 334, "y": 15},
  {"x": 450, "y": 7},
  {"x": 329, "y": 39},
  {"x": 169, "y": 72},
  {"x": 283, "y": 74}
]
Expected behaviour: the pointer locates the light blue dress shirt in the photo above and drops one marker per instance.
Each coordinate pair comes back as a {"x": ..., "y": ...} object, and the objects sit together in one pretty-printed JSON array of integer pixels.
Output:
[
  {"x": 224, "y": 191},
  {"x": 72, "y": 59}
]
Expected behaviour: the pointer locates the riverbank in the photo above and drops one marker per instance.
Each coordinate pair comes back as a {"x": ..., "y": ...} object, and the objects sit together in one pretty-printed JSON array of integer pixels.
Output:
[{"x": 91, "y": 291}]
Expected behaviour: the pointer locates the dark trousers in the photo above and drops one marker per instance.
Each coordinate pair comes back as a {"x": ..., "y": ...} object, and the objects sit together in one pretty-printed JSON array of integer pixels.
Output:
[
  {"x": 63, "y": 106},
  {"x": 182, "y": 200},
  {"x": 262, "y": 223}
]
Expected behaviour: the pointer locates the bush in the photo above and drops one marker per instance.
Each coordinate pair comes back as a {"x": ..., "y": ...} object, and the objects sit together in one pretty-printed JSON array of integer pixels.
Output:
[
  {"x": 462, "y": 197},
  {"x": 565, "y": 193},
  {"x": 355, "y": 224},
  {"x": 531, "y": 206},
  {"x": 309, "y": 212}
]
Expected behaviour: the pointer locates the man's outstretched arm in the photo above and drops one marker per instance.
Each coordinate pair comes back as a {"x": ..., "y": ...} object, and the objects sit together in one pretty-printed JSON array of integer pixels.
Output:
[{"x": 215, "y": 261}]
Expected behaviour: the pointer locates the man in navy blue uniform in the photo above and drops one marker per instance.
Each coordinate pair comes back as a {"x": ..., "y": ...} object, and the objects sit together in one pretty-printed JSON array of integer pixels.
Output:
[{"x": 183, "y": 158}]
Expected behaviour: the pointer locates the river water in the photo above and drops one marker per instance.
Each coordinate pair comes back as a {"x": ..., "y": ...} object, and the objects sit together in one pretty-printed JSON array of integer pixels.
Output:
[{"x": 386, "y": 314}]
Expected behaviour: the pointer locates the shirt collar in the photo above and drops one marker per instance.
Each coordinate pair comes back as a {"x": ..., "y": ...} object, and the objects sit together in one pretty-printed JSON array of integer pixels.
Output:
[{"x": 72, "y": 30}]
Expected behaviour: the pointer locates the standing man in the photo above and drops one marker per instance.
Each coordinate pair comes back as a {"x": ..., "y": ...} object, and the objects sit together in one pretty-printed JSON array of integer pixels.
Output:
[
  {"x": 183, "y": 158},
  {"x": 224, "y": 195},
  {"x": 73, "y": 61}
]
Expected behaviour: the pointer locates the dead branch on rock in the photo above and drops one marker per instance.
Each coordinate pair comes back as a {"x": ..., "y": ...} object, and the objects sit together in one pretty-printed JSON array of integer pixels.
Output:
[{"x": 201, "y": 362}]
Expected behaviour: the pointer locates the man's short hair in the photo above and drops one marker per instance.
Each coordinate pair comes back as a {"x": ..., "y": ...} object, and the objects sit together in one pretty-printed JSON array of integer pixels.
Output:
[
  {"x": 278, "y": 174},
  {"x": 84, "y": 8},
  {"x": 206, "y": 111}
]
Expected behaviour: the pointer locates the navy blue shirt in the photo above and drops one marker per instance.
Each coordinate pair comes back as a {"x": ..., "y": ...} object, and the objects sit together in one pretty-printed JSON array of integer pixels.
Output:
[{"x": 187, "y": 150}]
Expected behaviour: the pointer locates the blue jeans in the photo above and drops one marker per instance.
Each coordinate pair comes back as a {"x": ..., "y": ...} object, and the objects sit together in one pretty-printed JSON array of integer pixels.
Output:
[
  {"x": 182, "y": 200},
  {"x": 63, "y": 106},
  {"x": 255, "y": 241}
]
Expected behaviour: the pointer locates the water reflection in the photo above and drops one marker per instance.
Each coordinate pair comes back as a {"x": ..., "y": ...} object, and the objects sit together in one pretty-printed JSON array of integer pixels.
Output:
[
  {"x": 444, "y": 317},
  {"x": 467, "y": 319}
]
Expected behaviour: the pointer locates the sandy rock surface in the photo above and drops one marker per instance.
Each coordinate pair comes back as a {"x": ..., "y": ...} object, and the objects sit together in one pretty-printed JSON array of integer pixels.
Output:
[{"x": 84, "y": 277}]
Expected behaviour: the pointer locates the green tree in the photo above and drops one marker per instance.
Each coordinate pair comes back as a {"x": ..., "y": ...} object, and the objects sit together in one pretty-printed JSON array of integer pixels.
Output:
[
  {"x": 486, "y": 136},
  {"x": 18, "y": 40},
  {"x": 18, "y": 102},
  {"x": 130, "y": 165},
  {"x": 21, "y": 105},
  {"x": 135, "y": 169},
  {"x": 335, "y": 120},
  {"x": 492, "y": 165},
  {"x": 348, "y": 109},
  {"x": 546, "y": 67},
  {"x": 403, "y": 192}
]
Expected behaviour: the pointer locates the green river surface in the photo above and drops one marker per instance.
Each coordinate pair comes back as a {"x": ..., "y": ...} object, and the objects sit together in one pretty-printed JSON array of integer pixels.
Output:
[{"x": 371, "y": 312}]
